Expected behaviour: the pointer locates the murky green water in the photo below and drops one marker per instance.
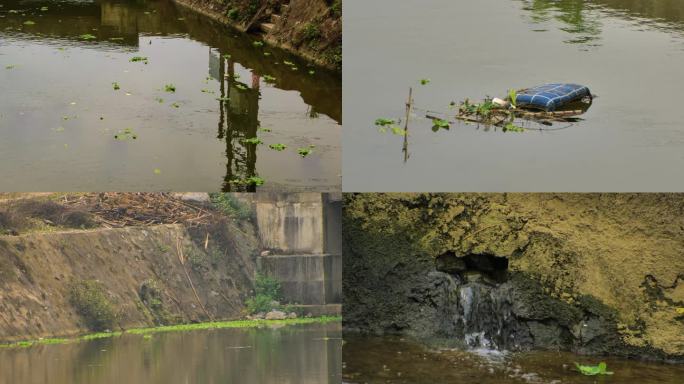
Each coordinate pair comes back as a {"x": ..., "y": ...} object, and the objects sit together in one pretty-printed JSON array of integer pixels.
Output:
[
  {"x": 308, "y": 354},
  {"x": 59, "y": 111},
  {"x": 629, "y": 52},
  {"x": 391, "y": 360}
]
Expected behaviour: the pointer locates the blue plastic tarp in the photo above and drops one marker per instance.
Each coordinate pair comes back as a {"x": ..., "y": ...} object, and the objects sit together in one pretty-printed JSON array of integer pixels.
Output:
[{"x": 550, "y": 97}]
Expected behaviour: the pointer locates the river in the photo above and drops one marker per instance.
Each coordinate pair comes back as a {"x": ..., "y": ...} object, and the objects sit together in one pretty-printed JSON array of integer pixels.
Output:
[
  {"x": 298, "y": 354},
  {"x": 150, "y": 96},
  {"x": 630, "y": 53}
]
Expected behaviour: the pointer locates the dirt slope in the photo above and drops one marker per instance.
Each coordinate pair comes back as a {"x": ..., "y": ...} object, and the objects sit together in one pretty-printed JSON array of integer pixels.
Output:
[
  {"x": 309, "y": 28},
  {"x": 138, "y": 269}
]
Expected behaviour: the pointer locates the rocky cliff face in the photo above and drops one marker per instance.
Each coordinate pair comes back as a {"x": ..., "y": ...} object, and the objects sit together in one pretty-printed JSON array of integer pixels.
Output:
[{"x": 592, "y": 273}]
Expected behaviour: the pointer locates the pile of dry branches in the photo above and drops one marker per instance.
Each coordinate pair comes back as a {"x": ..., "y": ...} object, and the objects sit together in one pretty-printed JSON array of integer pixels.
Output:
[{"x": 117, "y": 210}]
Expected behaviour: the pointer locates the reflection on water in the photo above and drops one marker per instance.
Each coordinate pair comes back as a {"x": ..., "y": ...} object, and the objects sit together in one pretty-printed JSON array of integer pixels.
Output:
[
  {"x": 308, "y": 354},
  {"x": 376, "y": 360},
  {"x": 582, "y": 19},
  {"x": 59, "y": 113}
]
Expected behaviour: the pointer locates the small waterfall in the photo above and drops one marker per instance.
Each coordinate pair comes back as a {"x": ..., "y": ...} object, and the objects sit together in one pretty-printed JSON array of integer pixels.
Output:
[{"x": 483, "y": 310}]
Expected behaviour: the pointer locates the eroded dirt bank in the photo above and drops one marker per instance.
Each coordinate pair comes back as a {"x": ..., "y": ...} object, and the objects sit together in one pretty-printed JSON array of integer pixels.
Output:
[
  {"x": 309, "y": 28},
  {"x": 122, "y": 270},
  {"x": 589, "y": 273}
]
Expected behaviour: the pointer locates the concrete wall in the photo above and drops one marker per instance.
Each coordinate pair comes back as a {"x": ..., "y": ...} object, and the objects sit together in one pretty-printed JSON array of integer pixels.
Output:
[
  {"x": 291, "y": 223},
  {"x": 303, "y": 231},
  {"x": 306, "y": 279}
]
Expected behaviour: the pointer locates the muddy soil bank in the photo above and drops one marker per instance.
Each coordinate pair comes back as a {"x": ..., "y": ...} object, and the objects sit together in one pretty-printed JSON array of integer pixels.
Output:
[
  {"x": 588, "y": 273},
  {"x": 309, "y": 28},
  {"x": 140, "y": 275}
]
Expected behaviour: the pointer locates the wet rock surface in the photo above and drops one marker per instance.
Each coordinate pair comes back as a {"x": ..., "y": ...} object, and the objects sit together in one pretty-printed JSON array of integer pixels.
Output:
[{"x": 522, "y": 272}]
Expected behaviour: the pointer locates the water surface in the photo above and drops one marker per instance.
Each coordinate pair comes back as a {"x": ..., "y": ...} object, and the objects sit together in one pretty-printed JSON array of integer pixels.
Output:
[
  {"x": 392, "y": 360},
  {"x": 60, "y": 113},
  {"x": 306, "y": 354},
  {"x": 629, "y": 52}
]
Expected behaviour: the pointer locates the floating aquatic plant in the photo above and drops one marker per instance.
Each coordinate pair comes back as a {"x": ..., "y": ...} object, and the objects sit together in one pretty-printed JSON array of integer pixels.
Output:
[
  {"x": 241, "y": 87},
  {"x": 438, "y": 124},
  {"x": 175, "y": 105},
  {"x": 312, "y": 72},
  {"x": 424, "y": 81},
  {"x": 223, "y": 99},
  {"x": 29, "y": 22},
  {"x": 305, "y": 151},
  {"x": 258, "y": 43},
  {"x": 381, "y": 122},
  {"x": 11, "y": 66},
  {"x": 126, "y": 134},
  {"x": 253, "y": 180},
  {"x": 253, "y": 140},
  {"x": 208, "y": 91},
  {"x": 278, "y": 147},
  {"x": 157, "y": 171},
  {"x": 510, "y": 127},
  {"x": 116, "y": 86},
  {"x": 170, "y": 88},
  {"x": 87, "y": 36},
  {"x": 136, "y": 59},
  {"x": 269, "y": 78},
  {"x": 593, "y": 370},
  {"x": 265, "y": 129}
]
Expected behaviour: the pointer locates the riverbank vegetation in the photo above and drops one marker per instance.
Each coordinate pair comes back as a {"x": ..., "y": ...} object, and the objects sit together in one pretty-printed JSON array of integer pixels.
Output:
[{"x": 177, "y": 328}]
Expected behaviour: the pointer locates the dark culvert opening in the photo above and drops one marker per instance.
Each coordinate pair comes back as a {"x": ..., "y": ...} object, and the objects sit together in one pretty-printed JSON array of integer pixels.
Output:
[{"x": 492, "y": 266}]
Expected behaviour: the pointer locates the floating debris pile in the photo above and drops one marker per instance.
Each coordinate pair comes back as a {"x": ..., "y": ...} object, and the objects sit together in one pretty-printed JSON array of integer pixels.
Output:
[{"x": 543, "y": 104}]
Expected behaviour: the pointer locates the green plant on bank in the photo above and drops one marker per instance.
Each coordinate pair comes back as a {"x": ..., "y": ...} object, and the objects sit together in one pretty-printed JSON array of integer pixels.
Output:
[
  {"x": 593, "y": 370},
  {"x": 178, "y": 328},
  {"x": 233, "y": 13},
  {"x": 336, "y": 8},
  {"x": 231, "y": 206},
  {"x": 266, "y": 291},
  {"x": 311, "y": 32},
  {"x": 89, "y": 299}
]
